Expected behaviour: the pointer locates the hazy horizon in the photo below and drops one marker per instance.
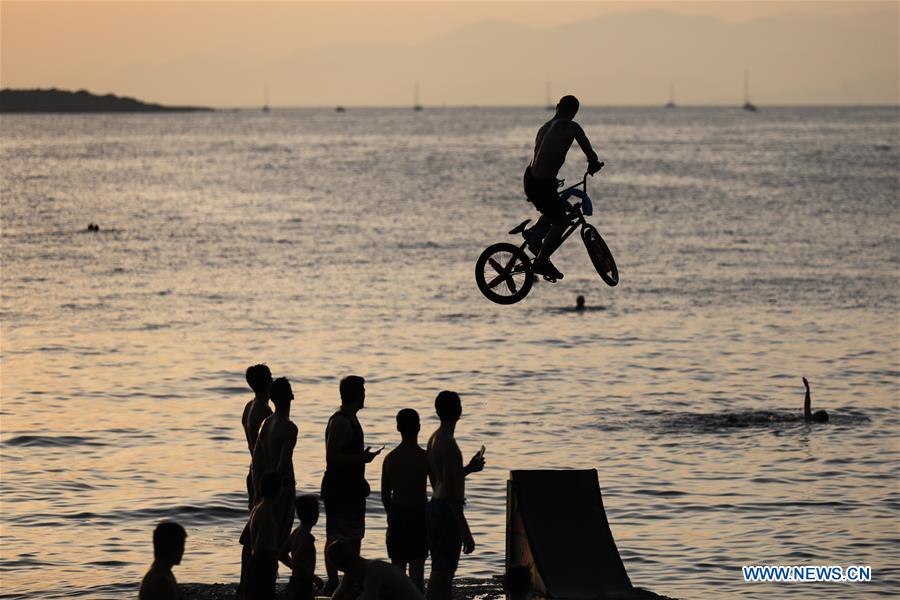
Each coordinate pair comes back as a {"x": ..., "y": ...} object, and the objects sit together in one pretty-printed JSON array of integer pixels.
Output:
[{"x": 372, "y": 54}]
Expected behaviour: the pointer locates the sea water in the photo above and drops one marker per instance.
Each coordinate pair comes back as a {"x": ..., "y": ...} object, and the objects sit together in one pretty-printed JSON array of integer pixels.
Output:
[{"x": 753, "y": 249}]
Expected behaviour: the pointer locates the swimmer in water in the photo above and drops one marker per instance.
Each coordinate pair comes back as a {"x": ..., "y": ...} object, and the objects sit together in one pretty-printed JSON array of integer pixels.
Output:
[
  {"x": 820, "y": 416},
  {"x": 579, "y": 303}
]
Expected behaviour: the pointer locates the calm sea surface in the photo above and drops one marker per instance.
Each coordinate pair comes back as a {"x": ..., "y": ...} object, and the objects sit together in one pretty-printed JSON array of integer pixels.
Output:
[{"x": 753, "y": 249}]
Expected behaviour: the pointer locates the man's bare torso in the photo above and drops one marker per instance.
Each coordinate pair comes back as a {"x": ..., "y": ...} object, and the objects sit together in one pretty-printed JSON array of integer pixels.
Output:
[
  {"x": 262, "y": 531},
  {"x": 551, "y": 145},
  {"x": 406, "y": 469},
  {"x": 446, "y": 468},
  {"x": 255, "y": 413},
  {"x": 275, "y": 448}
]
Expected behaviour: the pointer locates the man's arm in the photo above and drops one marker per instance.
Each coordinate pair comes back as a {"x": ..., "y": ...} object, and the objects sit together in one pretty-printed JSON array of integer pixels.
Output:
[
  {"x": 585, "y": 145},
  {"x": 244, "y": 418},
  {"x": 338, "y": 435},
  {"x": 284, "y": 556},
  {"x": 453, "y": 477},
  {"x": 386, "y": 485},
  {"x": 475, "y": 464},
  {"x": 258, "y": 466}
]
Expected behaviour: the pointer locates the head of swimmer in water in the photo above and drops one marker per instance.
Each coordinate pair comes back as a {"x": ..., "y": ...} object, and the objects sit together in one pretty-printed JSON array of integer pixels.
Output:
[
  {"x": 579, "y": 303},
  {"x": 820, "y": 416}
]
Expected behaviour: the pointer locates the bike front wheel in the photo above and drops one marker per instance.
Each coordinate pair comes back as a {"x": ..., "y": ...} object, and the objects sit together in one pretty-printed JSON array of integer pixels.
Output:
[
  {"x": 503, "y": 273},
  {"x": 600, "y": 255}
]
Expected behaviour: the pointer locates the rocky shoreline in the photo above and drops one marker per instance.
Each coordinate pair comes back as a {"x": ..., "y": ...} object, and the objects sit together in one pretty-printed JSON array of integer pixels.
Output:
[{"x": 464, "y": 589}]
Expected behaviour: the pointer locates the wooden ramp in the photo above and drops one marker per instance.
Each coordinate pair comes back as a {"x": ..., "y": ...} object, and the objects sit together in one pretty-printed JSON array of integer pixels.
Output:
[{"x": 556, "y": 526}]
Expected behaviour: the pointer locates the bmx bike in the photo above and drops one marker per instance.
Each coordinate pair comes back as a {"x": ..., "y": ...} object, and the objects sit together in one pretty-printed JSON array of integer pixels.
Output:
[{"x": 504, "y": 271}]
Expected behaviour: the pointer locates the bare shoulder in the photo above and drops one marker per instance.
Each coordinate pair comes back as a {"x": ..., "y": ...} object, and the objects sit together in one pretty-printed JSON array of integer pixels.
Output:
[
  {"x": 339, "y": 426},
  {"x": 574, "y": 128},
  {"x": 157, "y": 586},
  {"x": 246, "y": 413}
]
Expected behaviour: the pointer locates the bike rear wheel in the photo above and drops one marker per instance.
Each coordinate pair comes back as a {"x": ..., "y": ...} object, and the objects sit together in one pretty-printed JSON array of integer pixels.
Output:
[
  {"x": 600, "y": 255},
  {"x": 503, "y": 273}
]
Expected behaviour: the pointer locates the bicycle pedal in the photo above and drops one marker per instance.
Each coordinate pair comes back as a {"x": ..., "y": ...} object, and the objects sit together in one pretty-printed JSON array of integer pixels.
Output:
[{"x": 549, "y": 279}]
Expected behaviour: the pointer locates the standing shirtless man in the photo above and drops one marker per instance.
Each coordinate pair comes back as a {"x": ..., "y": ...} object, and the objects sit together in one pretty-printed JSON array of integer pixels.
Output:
[
  {"x": 274, "y": 452},
  {"x": 552, "y": 143},
  {"x": 404, "y": 475},
  {"x": 259, "y": 378},
  {"x": 344, "y": 485},
  {"x": 448, "y": 527}
]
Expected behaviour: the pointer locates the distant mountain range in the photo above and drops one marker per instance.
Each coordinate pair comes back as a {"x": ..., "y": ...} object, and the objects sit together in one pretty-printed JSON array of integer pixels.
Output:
[
  {"x": 617, "y": 59},
  {"x": 54, "y": 100}
]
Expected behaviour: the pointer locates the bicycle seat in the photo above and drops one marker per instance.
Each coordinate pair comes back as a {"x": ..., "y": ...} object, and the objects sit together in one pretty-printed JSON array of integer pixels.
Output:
[{"x": 520, "y": 227}]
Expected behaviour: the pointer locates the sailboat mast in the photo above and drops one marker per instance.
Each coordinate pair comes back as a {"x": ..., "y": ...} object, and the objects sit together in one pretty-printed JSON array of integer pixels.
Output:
[{"x": 416, "y": 105}]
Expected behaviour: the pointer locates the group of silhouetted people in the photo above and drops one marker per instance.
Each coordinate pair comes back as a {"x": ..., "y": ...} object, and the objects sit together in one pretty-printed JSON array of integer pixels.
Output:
[{"x": 416, "y": 527}]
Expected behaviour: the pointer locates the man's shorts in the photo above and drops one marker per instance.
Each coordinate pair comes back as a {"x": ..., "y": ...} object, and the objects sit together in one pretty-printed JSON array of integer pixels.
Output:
[
  {"x": 345, "y": 521},
  {"x": 444, "y": 536},
  {"x": 261, "y": 575},
  {"x": 542, "y": 193},
  {"x": 407, "y": 533}
]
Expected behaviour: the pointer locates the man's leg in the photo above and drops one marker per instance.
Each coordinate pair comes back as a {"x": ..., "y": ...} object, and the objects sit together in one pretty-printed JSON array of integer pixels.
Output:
[
  {"x": 330, "y": 569},
  {"x": 542, "y": 264},
  {"x": 417, "y": 573},
  {"x": 245, "y": 560},
  {"x": 439, "y": 585}
]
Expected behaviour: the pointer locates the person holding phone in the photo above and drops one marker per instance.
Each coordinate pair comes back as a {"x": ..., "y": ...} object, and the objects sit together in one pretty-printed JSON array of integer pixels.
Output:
[
  {"x": 447, "y": 526},
  {"x": 344, "y": 485}
]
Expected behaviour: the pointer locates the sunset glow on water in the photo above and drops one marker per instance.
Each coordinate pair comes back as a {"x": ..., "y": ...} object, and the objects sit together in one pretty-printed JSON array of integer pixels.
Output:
[{"x": 752, "y": 250}]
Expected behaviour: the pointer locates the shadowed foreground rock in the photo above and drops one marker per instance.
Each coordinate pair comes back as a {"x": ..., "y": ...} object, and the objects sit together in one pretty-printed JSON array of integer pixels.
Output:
[{"x": 464, "y": 589}]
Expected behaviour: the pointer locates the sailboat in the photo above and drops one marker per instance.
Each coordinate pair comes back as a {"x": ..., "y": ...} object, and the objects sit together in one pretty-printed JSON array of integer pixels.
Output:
[
  {"x": 671, "y": 102},
  {"x": 748, "y": 106},
  {"x": 265, "y": 107},
  {"x": 416, "y": 105},
  {"x": 549, "y": 105}
]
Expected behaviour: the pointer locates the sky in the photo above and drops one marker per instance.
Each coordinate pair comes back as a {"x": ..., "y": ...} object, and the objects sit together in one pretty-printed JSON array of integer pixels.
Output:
[{"x": 225, "y": 53}]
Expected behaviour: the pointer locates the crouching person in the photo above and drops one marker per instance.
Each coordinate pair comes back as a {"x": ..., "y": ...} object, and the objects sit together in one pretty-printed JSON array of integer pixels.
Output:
[{"x": 369, "y": 579}]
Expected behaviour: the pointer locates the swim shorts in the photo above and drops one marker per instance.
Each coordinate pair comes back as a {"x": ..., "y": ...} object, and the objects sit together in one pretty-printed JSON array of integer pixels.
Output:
[
  {"x": 345, "y": 520},
  {"x": 444, "y": 536},
  {"x": 407, "y": 533},
  {"x": 542, "y": 193}
]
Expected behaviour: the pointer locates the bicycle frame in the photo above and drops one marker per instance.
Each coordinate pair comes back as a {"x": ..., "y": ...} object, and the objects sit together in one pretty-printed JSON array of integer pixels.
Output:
[{"x": 576, "y": 216}]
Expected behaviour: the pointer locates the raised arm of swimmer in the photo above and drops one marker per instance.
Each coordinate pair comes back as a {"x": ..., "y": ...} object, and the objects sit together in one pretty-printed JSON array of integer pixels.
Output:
[{"x": 820, "y": 416}]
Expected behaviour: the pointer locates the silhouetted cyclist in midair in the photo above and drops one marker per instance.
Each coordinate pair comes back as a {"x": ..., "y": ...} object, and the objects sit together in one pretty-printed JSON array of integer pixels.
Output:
[{"x": 552, "y": 143}]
